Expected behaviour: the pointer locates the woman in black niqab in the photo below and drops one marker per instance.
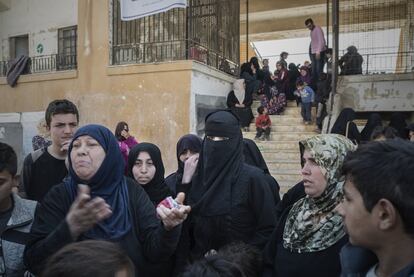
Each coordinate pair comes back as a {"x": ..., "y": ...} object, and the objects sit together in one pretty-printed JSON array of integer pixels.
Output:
[
  {"x": 397, "y": 121},
  {"x": 374, "y": 120},
  {"x": 344, "y": 122},
  {"x": 230, "y": 200}
]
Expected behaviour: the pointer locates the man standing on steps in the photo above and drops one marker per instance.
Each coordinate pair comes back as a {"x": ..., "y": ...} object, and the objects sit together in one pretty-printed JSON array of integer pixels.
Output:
[
  {"x": 45, "y": 167},
  {"x": 317, "y": 49}
]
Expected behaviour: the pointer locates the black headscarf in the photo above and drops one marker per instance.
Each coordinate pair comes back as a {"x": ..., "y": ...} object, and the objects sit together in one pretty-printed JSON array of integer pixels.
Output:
[
  {"x": 398, "y": 122},
  {"x": 187, "y": 142},
  {"x": 219, "y": 165},
  {"x": 108, "y": 183},
  {"x": 253, "y": 156},
  {"x": 156, "y": 189},
  {"x": 374, "y": 120},
  {"x": 344, "y": 117}
]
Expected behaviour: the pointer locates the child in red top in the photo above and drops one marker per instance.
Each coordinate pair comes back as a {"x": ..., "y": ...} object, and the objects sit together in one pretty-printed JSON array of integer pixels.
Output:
[{"x": 263, "y": 124}]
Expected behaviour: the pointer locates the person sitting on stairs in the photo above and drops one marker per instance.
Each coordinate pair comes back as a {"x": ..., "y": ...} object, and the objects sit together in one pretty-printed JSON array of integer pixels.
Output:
[{"x": 263, "y": 124}]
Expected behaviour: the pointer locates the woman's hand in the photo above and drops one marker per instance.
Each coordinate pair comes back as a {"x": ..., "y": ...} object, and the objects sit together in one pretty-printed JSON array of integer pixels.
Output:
[
  {"x": 125, "y": 134},
  {"x": 190, "y": 166},
  {"x": 85, "y": 213},
  {"x": 175, "y": 216}
]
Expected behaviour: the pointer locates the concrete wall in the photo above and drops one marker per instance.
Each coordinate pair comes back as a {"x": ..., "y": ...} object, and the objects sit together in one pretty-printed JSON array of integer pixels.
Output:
[
  {"x": 381, "y": 93},
  {"x": 40, "y": 19}
]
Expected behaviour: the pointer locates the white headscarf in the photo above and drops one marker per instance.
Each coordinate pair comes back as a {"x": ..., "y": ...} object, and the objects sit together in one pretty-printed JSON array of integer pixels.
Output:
[{"x": 238, "y": 88}]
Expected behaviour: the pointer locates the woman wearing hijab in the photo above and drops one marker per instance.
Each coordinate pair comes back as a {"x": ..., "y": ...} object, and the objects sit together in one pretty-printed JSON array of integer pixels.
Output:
[
  {"x": 187, "y": 146},
  {"x": 310, "y": 232},
  {"x": 253, "y": 156},
  {"x": 145, "y": 166},
  {"x": 398, "y": 122},
  {"x": 345, "y": 126},
  {"x": 239, "y": 102},
  {"x": 231, "y": 201},
  {"x": 108, "y": 206},
  {"x": 374, "y": 120}
]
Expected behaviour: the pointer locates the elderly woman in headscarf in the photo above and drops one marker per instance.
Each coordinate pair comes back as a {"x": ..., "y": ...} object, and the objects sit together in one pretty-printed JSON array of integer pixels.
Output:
[
  {"x": 310, "y": 232},
  {"x": 230, "y": 200},
  {"x": 98, "y": 202},
  {"x": 188, "y": 149},
  {"x": 145, "y": 166},
  {"x": 345, "y": 126},
  {"x": 240, "y": 102}
]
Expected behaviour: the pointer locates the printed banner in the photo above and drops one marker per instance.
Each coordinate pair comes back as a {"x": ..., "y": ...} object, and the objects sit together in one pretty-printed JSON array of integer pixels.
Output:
[{"x": 134, "y": 9}]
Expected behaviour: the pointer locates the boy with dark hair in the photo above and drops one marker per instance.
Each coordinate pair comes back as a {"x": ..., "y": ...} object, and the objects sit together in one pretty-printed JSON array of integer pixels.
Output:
[
  {"x": 307, "y": 96},
  {"x": 378, "y": 209},
  {"x": 89, "y": 258},
  {"x": 45, "y": 167},
  {"x": 16, "y": 216},
  {"x": 263, "y": 124}
]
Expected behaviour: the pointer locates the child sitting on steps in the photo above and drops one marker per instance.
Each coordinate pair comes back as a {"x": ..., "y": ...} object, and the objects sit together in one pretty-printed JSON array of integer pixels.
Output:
[{"x": 263, "y": 124}]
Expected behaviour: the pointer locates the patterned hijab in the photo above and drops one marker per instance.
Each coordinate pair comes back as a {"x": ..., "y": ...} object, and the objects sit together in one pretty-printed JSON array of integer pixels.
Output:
[{"x": 304, "y": 232}]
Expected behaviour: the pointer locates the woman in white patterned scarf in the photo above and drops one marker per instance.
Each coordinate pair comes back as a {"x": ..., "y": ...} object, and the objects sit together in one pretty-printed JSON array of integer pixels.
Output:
[{"x": 310, "y": 232}]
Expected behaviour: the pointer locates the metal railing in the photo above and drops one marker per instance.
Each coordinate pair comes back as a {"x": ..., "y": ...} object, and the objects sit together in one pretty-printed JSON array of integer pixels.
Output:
[
  {"x": 172, "y": 50},
  {"x": 373, "y": 63},
  {"x": 45, "y": 63}
]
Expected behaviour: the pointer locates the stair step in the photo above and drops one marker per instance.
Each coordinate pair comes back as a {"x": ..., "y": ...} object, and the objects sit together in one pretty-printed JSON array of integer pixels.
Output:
[
  {"x": 276, "y": 156},
  {"x": 293, "y": 178},
  {"x": 279, "y": 137},
  {"x": 281, "y": 145},
  {"x": 278, "y": 127},
  {"x": 283, "y": 166}
]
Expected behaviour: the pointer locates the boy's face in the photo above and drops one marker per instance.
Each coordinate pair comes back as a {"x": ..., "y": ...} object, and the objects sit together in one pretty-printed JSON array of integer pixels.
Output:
[
  {"x": 265, "y": 111},
  {"x": 62, "y": 128},
  {"x": 300, "y": 87},
  {"x": 360, "y": 224},
  {"x": 7, "y": 183}
]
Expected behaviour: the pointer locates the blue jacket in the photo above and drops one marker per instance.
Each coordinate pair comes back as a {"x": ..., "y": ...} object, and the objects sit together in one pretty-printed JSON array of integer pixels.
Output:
[{"x": 306, "y": 94}]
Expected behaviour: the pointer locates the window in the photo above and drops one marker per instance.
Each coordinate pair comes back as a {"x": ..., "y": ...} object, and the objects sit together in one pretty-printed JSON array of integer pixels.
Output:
[
  {"x": 66, "y": 57},
  {"x": 19, "y": 45}
]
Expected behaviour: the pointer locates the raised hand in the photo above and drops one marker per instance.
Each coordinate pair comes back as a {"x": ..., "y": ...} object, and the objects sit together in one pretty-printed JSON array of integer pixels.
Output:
[
  {"x": 85, "y": 212},
  {"x": 175, "y": 216},
  {"x": 190, "y": 166}
]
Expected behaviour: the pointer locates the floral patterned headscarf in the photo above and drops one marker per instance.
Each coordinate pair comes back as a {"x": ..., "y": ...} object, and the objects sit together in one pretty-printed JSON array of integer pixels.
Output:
[{"x": 312, "y": 224}]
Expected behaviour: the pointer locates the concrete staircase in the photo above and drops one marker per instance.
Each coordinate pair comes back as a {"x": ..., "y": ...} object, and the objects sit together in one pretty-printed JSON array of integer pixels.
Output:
[{"x": 282, "y": 151}]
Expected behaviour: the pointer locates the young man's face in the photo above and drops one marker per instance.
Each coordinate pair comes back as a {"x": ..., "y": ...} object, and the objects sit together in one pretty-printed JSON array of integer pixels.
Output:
[
  {"x": 7, "y": 183},
  {"x": 310, "y": 26},
  {"x": 62, "y": 128},
  {"x": 359, "y": 223}
]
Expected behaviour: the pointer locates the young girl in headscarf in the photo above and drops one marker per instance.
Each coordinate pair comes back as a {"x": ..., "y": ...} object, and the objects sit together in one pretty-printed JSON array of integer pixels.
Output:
[
  {"x": 310, "y": 232},
  {"x": 146, "y": 167}
]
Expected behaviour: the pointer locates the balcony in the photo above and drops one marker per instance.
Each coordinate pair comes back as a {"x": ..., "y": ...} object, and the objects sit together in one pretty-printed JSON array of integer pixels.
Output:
[{"x": 45, "y": 63}]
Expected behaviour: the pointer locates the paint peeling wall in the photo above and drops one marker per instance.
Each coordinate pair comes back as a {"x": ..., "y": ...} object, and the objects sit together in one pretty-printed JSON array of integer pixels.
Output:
[
  {"x": 380, "y": 93},
  {"x": 40, "y": 19}
]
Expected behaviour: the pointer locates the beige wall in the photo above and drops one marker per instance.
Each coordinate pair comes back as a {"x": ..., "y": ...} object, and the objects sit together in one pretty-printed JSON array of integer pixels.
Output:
[{"x": 153, "y": 99}]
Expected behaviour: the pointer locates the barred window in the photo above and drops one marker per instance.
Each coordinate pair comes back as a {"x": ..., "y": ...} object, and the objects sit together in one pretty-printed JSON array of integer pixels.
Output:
[{"x": 67, "y": 39}]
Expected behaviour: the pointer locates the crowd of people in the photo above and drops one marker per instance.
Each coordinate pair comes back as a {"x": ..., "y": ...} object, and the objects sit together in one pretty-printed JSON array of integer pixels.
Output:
[
  {"x": 82, "y": 209},
  {"x": 92, "y": 202}
]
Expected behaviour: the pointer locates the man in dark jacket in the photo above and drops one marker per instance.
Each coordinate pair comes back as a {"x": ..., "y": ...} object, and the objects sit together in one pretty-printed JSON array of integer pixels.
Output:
[{"x": 378, "y": 210}]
